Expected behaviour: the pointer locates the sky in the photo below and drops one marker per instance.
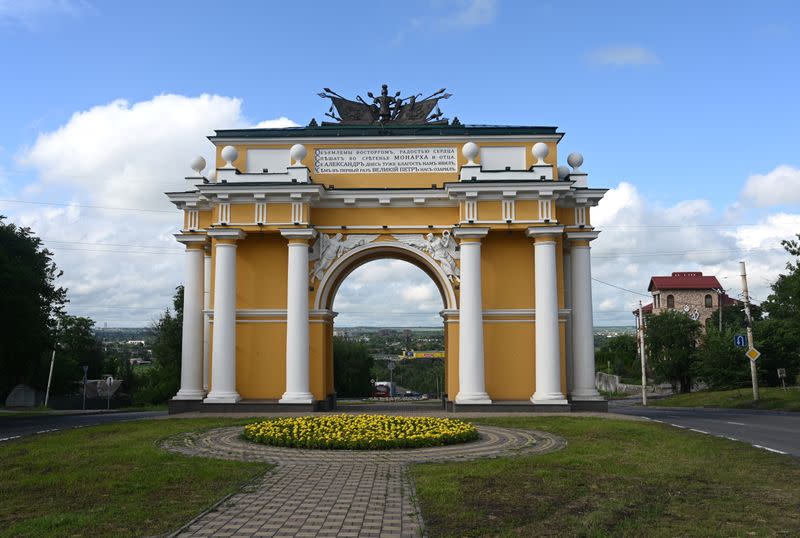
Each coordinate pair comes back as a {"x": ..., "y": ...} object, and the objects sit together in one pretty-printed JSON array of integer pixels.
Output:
[{"x": 686, "y": 111}]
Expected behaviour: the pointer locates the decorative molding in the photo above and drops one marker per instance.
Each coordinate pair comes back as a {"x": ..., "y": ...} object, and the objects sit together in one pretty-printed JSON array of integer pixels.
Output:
[
  {"x": 328, "y": 248},
  {"x": 442, "y": 249}
]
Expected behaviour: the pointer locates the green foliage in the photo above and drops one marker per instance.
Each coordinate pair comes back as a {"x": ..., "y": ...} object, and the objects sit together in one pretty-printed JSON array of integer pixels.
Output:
[
  {"x": 352, "y": 364},
  {"x": 29, "y": 302},
  {"x": 419, "y": 375},
  {"x": 720, "y": 364},
  {"x": 77, "y": 346},
  {"x": 733, "y": 317},
  {"x": 778, "y": 336},
  {"x": 671, "y": 343},
  {"x": 620, "y": 352},
  {"x": 161, "y": 381}
]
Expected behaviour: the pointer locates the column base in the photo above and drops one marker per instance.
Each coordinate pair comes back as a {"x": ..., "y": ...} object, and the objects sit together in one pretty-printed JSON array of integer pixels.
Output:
[
  {"x": 549, "y": 398},
  {"x": 473, "y": 398},
  {"x": 189, "y": 394},
  {"x": 222, "y": 397},
  {"x": 296, "y": 398},
  {"x": 589, "y": 395}
]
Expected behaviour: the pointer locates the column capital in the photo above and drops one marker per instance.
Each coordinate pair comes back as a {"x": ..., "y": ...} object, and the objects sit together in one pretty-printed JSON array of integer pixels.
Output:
[
  {"x": 298, "y": 233},
  {"x": 233, "y": 234},
  {"x": 583, "y": 236},
  {"x": 546, "y": 232},
  {"x": 192, "y": 240},
  {"x": 470, "y": 233}
]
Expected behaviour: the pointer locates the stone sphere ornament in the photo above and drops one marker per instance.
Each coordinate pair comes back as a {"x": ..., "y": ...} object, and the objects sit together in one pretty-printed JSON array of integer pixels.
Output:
[
  {"x": 229, "y": 154},
  {"x": 212, "y": 175},
  {"x": 563, "y": 172},
  {"x": 540, "y": 151},
  {"x": 297, "y": 154},
  {"x": 198, "y": 164},
  {"x": 575, "y": 160},
  {"x": 470, "y": 151}
]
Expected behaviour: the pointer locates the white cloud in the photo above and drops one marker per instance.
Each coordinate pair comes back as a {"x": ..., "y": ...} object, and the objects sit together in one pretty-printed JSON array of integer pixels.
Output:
[
  {"x": 120, "y": 155},
  {"x": 30, "y": 12},
  {"x": 472, "y": 13},
  {"x": 278, "y": 123},
  {"x": 449, "y": 15},
  {"x": 779, "y": 187},
  {"x": 640, "y": 239},
  {"x": 623, "y": 55}
]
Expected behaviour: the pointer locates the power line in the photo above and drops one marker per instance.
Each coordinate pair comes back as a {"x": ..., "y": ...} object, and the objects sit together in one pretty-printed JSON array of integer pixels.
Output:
[
  {"x": 84, "y": 206},
  {"x": 620, "y": 287},
  {"x": 668, "y": 252},
  {"x": 139, "y": 245}
]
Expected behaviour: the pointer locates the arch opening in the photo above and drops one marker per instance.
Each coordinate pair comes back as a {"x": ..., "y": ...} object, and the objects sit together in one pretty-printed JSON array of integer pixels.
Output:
[{"x": 388, "y": 328}]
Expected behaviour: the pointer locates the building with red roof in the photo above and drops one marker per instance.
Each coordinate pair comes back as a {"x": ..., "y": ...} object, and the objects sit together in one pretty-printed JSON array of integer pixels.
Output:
[{"x": 691, "y": 292}]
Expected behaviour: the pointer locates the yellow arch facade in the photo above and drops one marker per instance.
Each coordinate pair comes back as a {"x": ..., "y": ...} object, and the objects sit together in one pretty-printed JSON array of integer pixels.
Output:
[{"x": 285, "y": 215}]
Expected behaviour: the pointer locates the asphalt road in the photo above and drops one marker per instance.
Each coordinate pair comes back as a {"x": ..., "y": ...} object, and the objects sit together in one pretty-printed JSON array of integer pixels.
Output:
[
  {"x": 20, "y": 426},
  {"x": 775, "y": 431}
]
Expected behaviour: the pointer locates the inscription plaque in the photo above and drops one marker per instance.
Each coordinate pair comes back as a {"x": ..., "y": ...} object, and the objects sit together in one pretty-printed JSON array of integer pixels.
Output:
[{"x": 386, "y": 160}]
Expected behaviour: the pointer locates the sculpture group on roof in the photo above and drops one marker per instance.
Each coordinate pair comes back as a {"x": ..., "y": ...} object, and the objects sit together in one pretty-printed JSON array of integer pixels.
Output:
[{"x": 386, "y": 109}]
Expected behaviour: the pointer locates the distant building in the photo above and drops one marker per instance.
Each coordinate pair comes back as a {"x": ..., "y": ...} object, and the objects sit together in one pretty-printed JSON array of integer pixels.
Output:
[{"x": 691, "y": 292}]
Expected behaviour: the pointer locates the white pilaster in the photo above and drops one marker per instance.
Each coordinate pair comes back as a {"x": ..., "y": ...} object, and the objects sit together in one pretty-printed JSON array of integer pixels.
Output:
[
  {"x": 471, "y": 381},
  {"x": 206, "y": 319},
  {"x": 192, "y": 337},
  {"x": 297, "y": 354},
  {"x": 223, "y": 354},
  {"x": 548, "y": 341},
  {"x": 583, "y": 387}
]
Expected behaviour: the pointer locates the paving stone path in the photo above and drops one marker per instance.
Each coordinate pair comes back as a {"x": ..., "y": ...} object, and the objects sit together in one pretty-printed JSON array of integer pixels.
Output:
[{"x": 343, "y": 493}]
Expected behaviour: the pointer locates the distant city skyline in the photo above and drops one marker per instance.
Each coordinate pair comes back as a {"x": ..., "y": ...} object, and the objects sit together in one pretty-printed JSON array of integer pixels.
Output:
[{"x": 686, "y": 111}]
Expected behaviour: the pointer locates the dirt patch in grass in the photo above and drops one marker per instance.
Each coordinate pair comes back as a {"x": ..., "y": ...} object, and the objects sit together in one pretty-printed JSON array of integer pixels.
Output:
[{"x": 615, "y": 478}]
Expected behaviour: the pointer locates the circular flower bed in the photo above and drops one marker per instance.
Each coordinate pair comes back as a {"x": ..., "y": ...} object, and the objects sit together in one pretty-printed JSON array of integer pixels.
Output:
[{"x": 360, "y": 432}]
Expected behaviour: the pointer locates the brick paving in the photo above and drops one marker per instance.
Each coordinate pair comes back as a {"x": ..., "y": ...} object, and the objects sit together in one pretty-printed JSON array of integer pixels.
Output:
[{"x": 333, "y": 492}]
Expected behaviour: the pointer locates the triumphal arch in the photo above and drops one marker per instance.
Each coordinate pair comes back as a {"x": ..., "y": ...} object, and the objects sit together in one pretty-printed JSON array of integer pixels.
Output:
[{"x": 284, "y": 215}]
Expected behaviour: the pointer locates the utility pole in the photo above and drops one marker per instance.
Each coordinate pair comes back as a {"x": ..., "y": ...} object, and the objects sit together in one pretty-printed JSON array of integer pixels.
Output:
[
  {"x": 753, "y": 372},
  {"x": 719, "y": 300},
  {"x": 50, "y": 375},
  {"x": 641, "y": 355}
]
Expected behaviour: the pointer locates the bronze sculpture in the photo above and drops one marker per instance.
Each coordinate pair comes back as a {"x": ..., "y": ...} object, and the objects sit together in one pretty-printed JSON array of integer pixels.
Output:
[{"x": 385, "y": 109}]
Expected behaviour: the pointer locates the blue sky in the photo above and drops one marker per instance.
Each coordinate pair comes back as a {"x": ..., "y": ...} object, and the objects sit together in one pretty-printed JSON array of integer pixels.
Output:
[{"x": 687, "y": 110}]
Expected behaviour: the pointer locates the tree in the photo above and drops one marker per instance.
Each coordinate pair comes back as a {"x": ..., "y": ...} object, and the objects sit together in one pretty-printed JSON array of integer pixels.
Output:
[
  {"x": 29, "y": 302},
  {"x": 621, "y": 352},
  {"x": 352, "y": 364},
  {"x": 733, "y": 317},
  {"x": 671, "y": 342},
  {"x": 161, "y": 381},
  {"x": 721, "y": 364},
  {"x": 778, "y": 336},
  {"x": 76, "y": 346}
]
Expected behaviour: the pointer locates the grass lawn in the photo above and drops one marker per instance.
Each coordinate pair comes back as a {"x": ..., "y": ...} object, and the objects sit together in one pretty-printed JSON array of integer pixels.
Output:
[
  {"x": 769, "y": 398},
  {"x": 111, "y": 480},
  {"x": 615, "y": 478}
]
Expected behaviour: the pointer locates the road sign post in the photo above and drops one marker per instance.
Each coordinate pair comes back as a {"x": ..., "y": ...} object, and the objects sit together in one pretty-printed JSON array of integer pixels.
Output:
[
  {"x": 740, "y": 340},
  {"x": 109, "y": 383},
  {"x": 752, "y": 353}
]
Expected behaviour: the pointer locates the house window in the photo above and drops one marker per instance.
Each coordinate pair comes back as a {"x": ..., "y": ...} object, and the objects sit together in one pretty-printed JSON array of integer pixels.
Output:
[
  {"x": 670, "y": 301},
  {"x": 709, "y": 301}
]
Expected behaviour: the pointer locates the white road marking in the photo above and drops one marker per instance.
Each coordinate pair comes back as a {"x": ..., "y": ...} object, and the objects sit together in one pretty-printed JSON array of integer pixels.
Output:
[
  {"x": 677, "y": 426},
  {"x": 735, "y": 423},
  {"x": 9, "y": 438},
  {"x": 770, "y": 449},
  {"x": 48, "y": 431},
  {"x": 730, "y": 438},
  {"x": 698, "y": 431}
]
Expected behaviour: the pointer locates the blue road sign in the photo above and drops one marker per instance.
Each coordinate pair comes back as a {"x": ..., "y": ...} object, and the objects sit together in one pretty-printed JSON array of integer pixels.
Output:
[{"x": 740, "y": 340}]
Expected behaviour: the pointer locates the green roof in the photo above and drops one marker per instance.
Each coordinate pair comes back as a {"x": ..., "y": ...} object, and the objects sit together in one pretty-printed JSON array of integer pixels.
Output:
[{"x": 391, "y": 130}]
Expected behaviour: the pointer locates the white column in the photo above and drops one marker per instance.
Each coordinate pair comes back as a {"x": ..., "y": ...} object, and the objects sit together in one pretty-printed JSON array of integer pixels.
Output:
[
  {"x": 583, "y": 387},
  {"x": 206, "y": 319},
  {"x": 548, "y": 341},
  {"x": 192, "y": 338},
  {"x": 297, "y": 355},
  {"x": 471, "y": 381},
  {"x": 223, "y": 353}
]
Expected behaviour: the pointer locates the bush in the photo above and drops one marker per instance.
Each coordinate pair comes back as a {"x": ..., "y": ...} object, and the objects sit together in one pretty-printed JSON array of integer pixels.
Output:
[{"x": 360, "y": 432}]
